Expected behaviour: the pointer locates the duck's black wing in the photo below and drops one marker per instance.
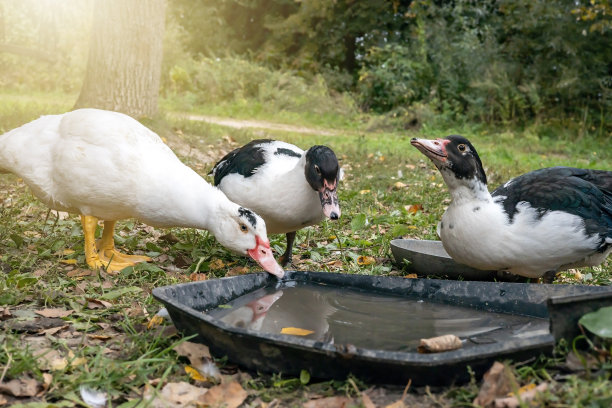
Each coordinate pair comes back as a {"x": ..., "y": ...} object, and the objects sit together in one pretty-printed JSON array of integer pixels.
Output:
[
  {"x": 244, "y": 160},
  {"x": 582, "y": 192}
]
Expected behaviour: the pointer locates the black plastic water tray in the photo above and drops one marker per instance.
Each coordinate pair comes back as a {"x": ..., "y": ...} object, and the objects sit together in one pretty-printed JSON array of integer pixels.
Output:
[{"x": 562, "y": 305}]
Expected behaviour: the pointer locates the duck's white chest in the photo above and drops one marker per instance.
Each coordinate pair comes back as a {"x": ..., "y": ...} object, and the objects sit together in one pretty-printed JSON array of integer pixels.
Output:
[{"x": 481, "y": 235}]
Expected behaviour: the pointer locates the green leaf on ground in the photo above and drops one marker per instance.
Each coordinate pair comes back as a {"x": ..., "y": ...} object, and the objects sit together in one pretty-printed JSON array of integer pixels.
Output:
[
  {"x": 599, "y": 322},
  {"x": 114, "y": 294}
]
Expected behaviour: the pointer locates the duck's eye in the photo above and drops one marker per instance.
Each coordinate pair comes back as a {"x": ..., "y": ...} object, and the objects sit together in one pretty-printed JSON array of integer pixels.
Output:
[
  {"x": 317, "y": 169},
  {"x": 462, "y": 147},
  {"x": 243, "y": 228}
]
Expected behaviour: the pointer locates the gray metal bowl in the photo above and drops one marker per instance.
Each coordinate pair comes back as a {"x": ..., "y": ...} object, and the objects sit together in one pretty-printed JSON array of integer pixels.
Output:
[{"x": 429, "y": 258}]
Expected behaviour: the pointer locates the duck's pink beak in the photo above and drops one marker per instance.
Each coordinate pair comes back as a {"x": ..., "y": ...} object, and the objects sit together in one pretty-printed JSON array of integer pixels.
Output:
[
  {"x": 329, "y": 200},
  {"x": 262, "y": 254}
]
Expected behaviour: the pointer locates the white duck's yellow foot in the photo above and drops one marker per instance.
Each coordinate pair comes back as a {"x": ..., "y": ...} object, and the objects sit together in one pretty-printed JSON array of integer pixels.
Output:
[
  {"x": 103, "y": 254},
  {"x": 107, "y": 251}
]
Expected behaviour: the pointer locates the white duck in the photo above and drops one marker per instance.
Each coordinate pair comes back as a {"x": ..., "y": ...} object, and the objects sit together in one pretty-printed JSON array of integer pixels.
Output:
[
  {"x": 290, "y": 188},
  {"x": 106, "y": 165}
]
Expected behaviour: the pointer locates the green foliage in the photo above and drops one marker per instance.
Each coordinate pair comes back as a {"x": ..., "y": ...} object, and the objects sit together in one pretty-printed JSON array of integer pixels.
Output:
[
  {"x": 599, "y": 322},
  {"x": 252, "y": 88},
  {"x": 393, "y": 76}
]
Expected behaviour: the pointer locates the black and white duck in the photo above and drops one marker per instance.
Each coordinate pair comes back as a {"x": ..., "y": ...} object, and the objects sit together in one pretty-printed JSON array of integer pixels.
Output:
[
  {"x": 534, "y": 225},
  {"x": 288, "y": 187}
]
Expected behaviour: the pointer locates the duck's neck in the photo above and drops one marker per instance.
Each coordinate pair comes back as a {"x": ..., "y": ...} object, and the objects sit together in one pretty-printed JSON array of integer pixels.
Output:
[
  {"x": 188, "y": 202},
  {"x": 465, "y": 190},
  {"x": 291, "y": 177}
]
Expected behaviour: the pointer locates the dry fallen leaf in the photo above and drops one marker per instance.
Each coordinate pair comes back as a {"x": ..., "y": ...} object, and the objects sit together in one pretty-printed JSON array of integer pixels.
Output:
[
  {"x": 216, "y": 264},
  {"x": 195, "y": 352},
  {"x": 399, "y": 185},
  {"x": 230, "y": 395},
  {"x": 181, "y": 394},
  {"x": 5, "y": 313},
  {"x": 365, "y": 260},
  {"x": 329, "y": 402},
  {"x": 50, "y": 359},
  {"x": 155, "y": 321},
  {"x": 367, "y": 401},
  {"x": 79, "y": 272},
  {"x": 438, "y": 344},
  {"x": 525, "y": 395},
  {"x": 53, "y": 330},
  {"x": 39, "y": 272},
  {"x": 296, "y": 331},
  {"x": 47, "y": 380},
  {"x": 98, "y": 304},
  {"x": 194, "y": 277},
  {"x": 364, "y": 192},
  {"x": 99, "y": 336},
  {"x": 68, "y": 261},
  {"x": 237, "y": 270},
  {"x": 413, "y": 208},
  {"x": 21, "y": 387},
  {"x": 54, "y": 312},
  {"x": 497, "y": 382}
]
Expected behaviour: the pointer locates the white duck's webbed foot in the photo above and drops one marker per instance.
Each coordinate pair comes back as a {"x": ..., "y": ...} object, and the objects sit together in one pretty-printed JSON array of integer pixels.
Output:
[
  {"x": 103, "y": 253},
  {"x": 108, "y": 252}
]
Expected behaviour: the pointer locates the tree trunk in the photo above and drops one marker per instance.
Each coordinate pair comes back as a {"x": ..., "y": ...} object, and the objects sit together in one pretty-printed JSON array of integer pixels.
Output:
[{"x": 125, "y": 56}]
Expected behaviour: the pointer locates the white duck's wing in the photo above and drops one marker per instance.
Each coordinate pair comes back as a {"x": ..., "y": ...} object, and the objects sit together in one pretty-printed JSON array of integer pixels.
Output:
[{"x": 104, "y": 162}]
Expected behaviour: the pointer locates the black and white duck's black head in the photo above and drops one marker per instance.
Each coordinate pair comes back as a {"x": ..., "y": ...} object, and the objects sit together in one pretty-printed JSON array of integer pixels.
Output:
[
  {"x": 457, "y": 160},
  {"x": 321, "y": 171}
]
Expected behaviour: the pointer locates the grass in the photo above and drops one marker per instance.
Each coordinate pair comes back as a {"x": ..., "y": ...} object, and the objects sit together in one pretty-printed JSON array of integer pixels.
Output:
[{"x": 109, "y": 347}]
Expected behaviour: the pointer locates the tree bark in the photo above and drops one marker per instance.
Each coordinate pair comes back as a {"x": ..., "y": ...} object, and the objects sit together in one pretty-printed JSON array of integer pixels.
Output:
[{"x": 125, "y": 56}]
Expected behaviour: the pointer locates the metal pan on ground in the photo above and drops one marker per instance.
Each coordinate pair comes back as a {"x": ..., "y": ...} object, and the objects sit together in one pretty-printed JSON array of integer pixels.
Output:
[
  {"x": 428, "y": 258},
  {"x": 333, "y": 325}
]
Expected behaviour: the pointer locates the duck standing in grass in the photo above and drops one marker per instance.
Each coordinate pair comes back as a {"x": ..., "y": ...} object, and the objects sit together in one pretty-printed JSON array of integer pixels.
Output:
[
  {"x": 534, "y": 225},
  {"x": 290, "y": 188},
  {"x": 106, "y": 165}
]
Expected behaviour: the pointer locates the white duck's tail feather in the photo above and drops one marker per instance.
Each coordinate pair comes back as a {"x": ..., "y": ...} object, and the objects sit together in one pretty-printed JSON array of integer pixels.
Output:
[{"x": 21, "y": 146}]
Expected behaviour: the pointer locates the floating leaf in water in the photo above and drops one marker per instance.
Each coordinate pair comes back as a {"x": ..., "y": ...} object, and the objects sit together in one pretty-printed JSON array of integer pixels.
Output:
[
  {"x": 599, "y": 322},
  {"x": 296, "y": 331},
  {"x": 438, "y": 344}
]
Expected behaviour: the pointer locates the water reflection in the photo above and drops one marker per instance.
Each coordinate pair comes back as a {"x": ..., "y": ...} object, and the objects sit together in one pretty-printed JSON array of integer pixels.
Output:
[{"x": 363, "y": 319}]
